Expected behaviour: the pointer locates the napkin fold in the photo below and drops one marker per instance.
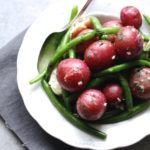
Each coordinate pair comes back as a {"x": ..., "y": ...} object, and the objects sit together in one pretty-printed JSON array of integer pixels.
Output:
[{"x": 15, "y": 115}]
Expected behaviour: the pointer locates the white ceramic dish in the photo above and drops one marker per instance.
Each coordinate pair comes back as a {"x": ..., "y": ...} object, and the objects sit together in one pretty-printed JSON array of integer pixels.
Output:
[{"x": 35, "y": 99}]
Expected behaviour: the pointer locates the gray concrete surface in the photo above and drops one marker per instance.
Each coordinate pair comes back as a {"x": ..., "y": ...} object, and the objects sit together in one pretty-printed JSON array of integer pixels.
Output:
[{"x": 15, "y": 16}]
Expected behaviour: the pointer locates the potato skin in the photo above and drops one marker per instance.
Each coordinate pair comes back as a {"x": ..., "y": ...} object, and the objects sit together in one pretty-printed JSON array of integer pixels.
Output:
[
  {"x": 100, "y": 55},
  {"x": 140, "y": 83},
  {"x": 113, "y": 93},
  {"x": 91, "y": 104},
  {"x": 130, "y": 15},
  {"x": 129, "y": 43},
  {"x": 73, "y": 74}
]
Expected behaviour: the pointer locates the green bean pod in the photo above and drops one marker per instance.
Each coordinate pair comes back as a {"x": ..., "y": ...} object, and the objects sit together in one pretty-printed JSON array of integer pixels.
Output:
[
  {"x": 105, "y": 37},
  {"x": 107, "y": 115},
  {"x": 126, "y": 114},
  {"x": 38, "y": 78},
  {"x": 122, "y": 67},
  {"x": 146, "y": 37},
  {"x": 66, "y": 100},
  {"x": 145, "y": 55},
  {"x": 127, "y": 92},
  {"x": 147, "y": 18},
  {"x": 74, "y": 12},
  {"x": 96, "y": 23},
  {"x": 108, "y": 30},
  {"x": 147, "y": 48},
  {"x": 97, "y": 81},
  {"x": 69, "y": 116},
  {"x": 72, "y": 53}
]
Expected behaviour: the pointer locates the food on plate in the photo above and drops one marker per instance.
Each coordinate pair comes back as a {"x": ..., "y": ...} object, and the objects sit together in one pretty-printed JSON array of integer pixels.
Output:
[
  {"x": 113, "y": 93},
  {"x": 100, "y": 54},
  {"x": 102, "y": 71},
  {"x": 140, "y": 83},
  {"x": 91, "y": 104},
  {"x": 130, "y": 15},
  {"x": 129, "y": 43},
  {"x": 73, "y": 74}
]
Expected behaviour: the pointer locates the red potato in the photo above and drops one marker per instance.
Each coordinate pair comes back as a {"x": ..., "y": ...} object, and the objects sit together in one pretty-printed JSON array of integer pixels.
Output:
[
  {"x": 113, "y": 23},
  {"x": 99, "y": 55},
  {"x": 130, "y": 15},
  {"x": 129, "y": 43},
  {"x": 113, "y": 93},
  {"x": 140, "y": 83},
  {"x": 73, "y": 74},
  {"x": 91, "y": 104},
  {"x": 83, "y": 46}
]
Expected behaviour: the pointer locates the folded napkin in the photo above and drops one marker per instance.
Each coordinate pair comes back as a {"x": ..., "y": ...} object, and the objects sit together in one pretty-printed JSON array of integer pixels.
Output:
[{"x": 16, "y": 117}]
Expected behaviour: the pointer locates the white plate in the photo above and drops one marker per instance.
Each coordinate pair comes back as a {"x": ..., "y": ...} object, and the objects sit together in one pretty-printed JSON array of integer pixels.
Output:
[{"x": 37, "y": 103}]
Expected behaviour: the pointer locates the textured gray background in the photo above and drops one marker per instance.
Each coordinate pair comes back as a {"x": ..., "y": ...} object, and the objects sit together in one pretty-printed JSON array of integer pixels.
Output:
[{"x": 15, "y": 16}]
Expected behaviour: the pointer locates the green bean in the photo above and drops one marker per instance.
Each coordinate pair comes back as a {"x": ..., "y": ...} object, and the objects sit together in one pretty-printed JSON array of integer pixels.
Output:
[
  {"x": 145, "y": 55},
  {"x": 146, "y": 37},
  {"x": 108, "y": 114},
  {"x": 147, "y": 48},
  {"x": 127, "y": 92},
  {"x": 72, "y": 53},
  {"x": 70, "y": 117},
  {"x": 121, "y": 67},
  {"x": 73, "y": 97},
  {"x": 109, "y": 37},
  {"x": 100, "y": 30},
  {"x": 65, "y": 94},
  {"x": 64, "y": 40},
  {"x": 74, "y": 12},
  {"x": 38, "y": 78},
  {"x": 126, "y": 114},
  {"x": 147, "y": 18},
  {"x": 105, "y": 37},
  {"x": 66, "y": 37},
  {"x": 108, "y": 30},
  {"x": 96, "y": 23},
  {"x": 97, "y": 81}
]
